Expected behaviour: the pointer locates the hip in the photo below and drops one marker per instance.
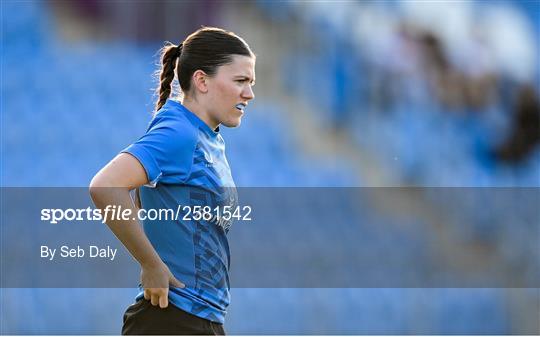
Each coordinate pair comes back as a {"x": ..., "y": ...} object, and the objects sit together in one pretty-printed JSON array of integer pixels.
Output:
[{"x": 142, "y": 318}]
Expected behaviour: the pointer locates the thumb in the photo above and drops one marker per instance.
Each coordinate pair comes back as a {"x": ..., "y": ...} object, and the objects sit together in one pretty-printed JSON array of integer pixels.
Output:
[{"x": 175, "y": 283}]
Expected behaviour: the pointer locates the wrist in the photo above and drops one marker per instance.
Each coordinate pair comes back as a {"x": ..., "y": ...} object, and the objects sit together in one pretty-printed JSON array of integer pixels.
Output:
[{"x": 153, "y": 263}]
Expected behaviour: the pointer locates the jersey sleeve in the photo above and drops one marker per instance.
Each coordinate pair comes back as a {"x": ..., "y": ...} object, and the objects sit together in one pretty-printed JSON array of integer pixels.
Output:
[{"x": 165, "y": 152}]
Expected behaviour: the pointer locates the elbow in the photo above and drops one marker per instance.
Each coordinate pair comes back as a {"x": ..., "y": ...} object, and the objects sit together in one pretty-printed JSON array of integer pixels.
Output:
[
  {"x": 103, "y": 187},
  {"x": 97, "y": 187},
  {"x": 94, "y": 189}
]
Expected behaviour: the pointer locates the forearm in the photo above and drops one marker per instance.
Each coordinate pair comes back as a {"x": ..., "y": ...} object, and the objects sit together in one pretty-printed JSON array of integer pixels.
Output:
[{"x": 129, "y": 232}]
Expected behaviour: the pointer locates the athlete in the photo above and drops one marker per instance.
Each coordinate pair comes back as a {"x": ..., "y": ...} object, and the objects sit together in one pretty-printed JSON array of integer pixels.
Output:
[{"x": 181, "y": 161}]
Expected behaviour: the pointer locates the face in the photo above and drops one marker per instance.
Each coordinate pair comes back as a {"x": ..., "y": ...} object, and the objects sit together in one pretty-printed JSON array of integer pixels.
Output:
[{"x": 230, "y": 90}]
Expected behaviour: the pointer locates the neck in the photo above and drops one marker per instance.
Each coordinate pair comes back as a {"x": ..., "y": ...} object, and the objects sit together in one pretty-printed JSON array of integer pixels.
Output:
[{"x": 194, "y": 106}]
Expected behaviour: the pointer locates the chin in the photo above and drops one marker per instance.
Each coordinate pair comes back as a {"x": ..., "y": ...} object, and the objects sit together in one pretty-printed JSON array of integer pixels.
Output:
[{"x": 232, "y": 123}]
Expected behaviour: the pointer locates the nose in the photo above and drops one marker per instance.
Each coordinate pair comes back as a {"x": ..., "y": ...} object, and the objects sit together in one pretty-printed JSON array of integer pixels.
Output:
[{"x": 247, "y": 93}]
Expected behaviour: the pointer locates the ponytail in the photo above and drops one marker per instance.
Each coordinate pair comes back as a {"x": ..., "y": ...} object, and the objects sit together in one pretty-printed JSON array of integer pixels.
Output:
[{"x": 170, "y": 55}]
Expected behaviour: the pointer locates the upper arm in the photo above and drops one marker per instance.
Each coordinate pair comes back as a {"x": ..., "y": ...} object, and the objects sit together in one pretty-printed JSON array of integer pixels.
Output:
[
  {"x": 123, "y": 171},
  {"x": 165, "y": 152}
]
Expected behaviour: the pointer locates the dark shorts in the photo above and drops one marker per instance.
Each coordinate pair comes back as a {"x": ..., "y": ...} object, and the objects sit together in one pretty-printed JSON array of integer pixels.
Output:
[{"x": 142, "y": 318}]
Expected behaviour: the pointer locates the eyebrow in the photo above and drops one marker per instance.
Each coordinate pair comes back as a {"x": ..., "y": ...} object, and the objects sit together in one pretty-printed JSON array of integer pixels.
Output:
[{"x": 245, "y": 77}]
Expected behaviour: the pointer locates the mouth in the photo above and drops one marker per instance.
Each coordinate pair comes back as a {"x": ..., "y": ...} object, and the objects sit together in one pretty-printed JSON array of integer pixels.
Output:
[{"x": 240, "y": 107}]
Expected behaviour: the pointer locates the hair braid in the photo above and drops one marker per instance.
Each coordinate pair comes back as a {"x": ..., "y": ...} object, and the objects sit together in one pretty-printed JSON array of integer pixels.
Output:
[{"x": 168, "y": 60}]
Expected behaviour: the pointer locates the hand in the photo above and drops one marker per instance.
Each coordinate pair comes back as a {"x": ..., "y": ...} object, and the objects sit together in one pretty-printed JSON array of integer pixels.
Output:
[{"x": 155, "y": 281}]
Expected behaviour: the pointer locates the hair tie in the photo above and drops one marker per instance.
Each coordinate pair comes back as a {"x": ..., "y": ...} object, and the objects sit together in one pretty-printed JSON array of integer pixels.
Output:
[{"x": 179, "y": 49}]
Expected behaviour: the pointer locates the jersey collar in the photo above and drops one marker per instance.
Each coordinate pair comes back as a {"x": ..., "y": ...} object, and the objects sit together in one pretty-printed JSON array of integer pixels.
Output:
[{"x": 193, "y": 118}]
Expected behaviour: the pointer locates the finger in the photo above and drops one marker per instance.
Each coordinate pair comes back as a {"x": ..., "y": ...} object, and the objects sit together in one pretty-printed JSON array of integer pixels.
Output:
[
  {"x": 155, "y": 299},
  {"x": 173, "y": 281},
  {"x": 146, "y": 294},
  {"x": 164, "y": 300}
]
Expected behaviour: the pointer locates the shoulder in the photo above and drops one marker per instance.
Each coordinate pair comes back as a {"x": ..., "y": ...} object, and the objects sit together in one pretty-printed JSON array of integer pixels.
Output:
[{"x": 175, "y": 125}]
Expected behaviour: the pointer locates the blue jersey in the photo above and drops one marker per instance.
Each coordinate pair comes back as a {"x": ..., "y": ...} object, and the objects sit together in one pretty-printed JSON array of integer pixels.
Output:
[{"x": 186, "y": 165}]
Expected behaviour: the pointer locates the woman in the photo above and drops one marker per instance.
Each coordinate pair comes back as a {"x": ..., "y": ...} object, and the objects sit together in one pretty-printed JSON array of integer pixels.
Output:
[{"x": 181, "y": 161}]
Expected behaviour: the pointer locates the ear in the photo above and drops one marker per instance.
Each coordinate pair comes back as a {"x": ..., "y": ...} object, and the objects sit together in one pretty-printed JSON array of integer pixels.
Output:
[{"x": 200, "y": 81}]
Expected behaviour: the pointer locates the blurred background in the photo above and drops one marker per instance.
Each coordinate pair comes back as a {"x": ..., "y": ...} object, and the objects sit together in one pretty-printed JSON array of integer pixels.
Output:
[{"x": 382, "y": 93}]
